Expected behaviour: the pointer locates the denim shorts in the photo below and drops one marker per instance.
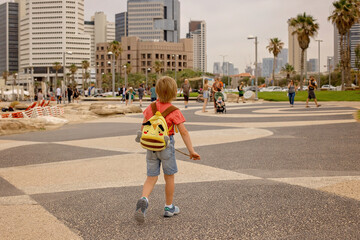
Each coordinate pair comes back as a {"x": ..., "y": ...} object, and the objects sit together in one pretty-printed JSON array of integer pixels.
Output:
[
  {"x": 166, "y": 158},
  {"x": 206, "y": 94}
]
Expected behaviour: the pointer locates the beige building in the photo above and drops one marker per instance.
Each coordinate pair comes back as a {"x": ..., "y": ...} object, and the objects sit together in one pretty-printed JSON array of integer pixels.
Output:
[
  {"x": 51, "y": 31},
  {"x": 100, "y": 31},
  {"x": 295, "y": 52},
  {"x": 197, "y": 31},
  {"x": 143, "y": 55}
]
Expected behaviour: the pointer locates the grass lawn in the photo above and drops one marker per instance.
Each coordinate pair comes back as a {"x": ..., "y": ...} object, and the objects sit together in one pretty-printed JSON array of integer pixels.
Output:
[{"x": 321, "y": 96}]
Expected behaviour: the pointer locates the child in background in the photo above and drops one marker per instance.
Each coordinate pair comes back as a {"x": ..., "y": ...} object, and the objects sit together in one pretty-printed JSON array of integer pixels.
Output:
[{"x": 166, "y": 89}]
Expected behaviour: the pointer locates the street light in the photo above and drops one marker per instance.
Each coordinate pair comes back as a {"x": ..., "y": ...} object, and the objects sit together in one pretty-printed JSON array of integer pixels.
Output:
[
  {"x": 112, "y": 72},
  {"x": 256, "y": 66},
  {"x": 125, "y": 76},
  {"x": 319, "y": 41},
  {"x": 147, "y": 70},
  {"x": 329, "y": 65}
]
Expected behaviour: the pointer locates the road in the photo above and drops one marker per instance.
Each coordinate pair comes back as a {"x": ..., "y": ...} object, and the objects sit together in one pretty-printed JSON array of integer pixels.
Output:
[{"x": 268, "y": 171}]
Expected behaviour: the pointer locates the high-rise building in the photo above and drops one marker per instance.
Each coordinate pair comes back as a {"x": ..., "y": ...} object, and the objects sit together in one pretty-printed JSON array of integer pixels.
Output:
[
  {"x": 267, "y": 67},
  {"x": 295, "y": 52},
  {"x": 228, "y": 68},
  {"x": 51, "y": 31},
  {"x": 100, "y": 31},
  {"x": 313, "y": 65},
  {"x": 354, "y": 42},
  {"x": 217, "y": 68},
  {"x": 248, "y": 69},
  {"x": 282, "y": 58},
  {"x": 197, "y": 31},
  {"x": 236, "y": 71},
  {"x": 154, "y": 20},
  {"x": 121, "y": 26},
  {"x": 9, "y": 37}
]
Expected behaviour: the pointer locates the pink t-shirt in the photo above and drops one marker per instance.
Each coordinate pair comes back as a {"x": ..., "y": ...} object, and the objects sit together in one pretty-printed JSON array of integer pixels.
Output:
[{"x": 174, "y": 118}]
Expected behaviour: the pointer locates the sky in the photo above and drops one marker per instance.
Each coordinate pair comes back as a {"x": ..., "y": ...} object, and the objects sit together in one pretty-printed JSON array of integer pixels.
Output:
[{"x": 230, "y": 22}]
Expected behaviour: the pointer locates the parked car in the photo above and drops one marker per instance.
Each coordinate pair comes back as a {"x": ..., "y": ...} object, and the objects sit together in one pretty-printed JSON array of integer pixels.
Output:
[
  {"x": 304, "y": 88},
  {"x": 272, "y": 89},
  {"x": 328, "y": 87}
]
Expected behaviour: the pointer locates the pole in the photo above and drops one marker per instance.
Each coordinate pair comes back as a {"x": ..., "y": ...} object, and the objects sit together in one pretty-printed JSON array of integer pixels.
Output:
[
  {"x": 125, "y": 78},
  {"x": 319, "y": 41},
  {"x": 146, "y": 71},
  {"x": 256, "y": 70},
  {"x": 64, "y": 77},
  {"x": 329, "y": 72},
  {"x": 113, "y": 74}
]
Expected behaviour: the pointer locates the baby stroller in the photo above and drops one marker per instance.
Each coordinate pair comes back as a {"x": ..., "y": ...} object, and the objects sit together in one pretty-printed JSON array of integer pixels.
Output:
[{"x": 220, "y": 108}]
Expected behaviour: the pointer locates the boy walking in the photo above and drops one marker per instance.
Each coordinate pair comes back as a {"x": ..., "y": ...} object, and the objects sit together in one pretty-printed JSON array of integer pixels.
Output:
[{"x": 166, "y": 90}]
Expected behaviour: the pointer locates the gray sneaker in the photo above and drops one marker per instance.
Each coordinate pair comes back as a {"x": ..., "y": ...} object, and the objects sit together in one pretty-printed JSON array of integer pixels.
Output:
[
  {"x": 169, "y": 212},
  {"x": 140, "y": 212}
]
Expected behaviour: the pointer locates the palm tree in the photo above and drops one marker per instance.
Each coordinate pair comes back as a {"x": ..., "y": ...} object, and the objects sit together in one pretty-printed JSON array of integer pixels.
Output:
[
  {"x": 304, "y": 26},
  {"x": 105, "y": 81},
  {"x": 56, "y": 66},
  {"x": 345, "y": 14},
  {"x": 5, "y": 76},
  {"x": 85, "y": 65},
  {"x": 128, "y": 68},
  {"x": 87, "y": 76},
  {"x": 157, "y": 67},
  {"x": 275, "y": 46},
  {"x": 288, "y": 69},
  {"x": 116, "y": 49},
  {"x": 73, "y": 69}
]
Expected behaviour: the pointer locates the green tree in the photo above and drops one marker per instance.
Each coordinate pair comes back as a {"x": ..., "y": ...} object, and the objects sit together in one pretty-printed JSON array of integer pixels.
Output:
[
  {"x": 5, "y": 76},
  {"x": 56, "y": 66},
  {"x": 73, "y": 69},
  {"x": 158, "y": 66},
  {"x": 275, "y": 46},
  {"x": 304, "y": 27},
  {"x": 288, "y": 69},
  {"x": 344, "y": 15}
]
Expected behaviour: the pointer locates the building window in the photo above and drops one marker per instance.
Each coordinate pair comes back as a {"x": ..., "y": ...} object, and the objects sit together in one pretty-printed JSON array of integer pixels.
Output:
[
  {"x": 185, "y": 58},
  {"x": 129, "y": 56},
  {"x": 102, "y": 48},
  {"x": 149, "y": 55},
  {"x": 102, "y": 64},
  {"x": 129, "y": 48},
  {"x": 149, "y": 63},
  {"x": 102, "y": 57},
  {"x": 143, "y": 55},
  {"x": 157, "y": 56}
]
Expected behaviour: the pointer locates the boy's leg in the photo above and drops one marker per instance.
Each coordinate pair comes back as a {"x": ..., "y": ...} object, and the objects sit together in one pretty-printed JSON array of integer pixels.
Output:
[
  {"x": 149, "y": 186},
  {"x": 169, "y": 188}
]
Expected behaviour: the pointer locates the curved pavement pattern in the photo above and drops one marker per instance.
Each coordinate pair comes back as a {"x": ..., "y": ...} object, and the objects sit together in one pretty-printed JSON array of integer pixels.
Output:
[{"x": 267, "y": 172}]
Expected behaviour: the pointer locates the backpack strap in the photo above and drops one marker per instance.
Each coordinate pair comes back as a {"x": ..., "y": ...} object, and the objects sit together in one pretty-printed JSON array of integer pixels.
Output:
[
  {"x": 169, "y": 110},
  {"x": 153, "y": 108}
]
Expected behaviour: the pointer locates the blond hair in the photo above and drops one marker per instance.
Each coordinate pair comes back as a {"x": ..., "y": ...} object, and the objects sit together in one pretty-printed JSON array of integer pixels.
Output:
[{"x": 166, "y": 89}]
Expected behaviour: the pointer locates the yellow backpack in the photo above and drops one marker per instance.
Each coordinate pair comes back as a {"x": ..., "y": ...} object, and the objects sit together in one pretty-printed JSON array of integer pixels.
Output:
[{"x": 155, "y": 134}]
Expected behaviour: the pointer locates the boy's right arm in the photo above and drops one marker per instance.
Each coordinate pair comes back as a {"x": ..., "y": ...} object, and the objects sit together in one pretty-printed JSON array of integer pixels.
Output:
[{"x": 186, "y": 138}]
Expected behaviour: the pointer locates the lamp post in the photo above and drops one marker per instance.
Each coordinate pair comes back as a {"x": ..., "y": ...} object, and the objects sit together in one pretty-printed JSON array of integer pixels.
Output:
[
  {"x": 112, "y": 72},
  {"x": 319, "y": 41},
  {"x": 329, "y": 65},
  {"x": 125, "y": 76},
  {"x": 146, "y": 71},
  {"x": 256, "y": 66},
  {"x": 223, "y": 67}
]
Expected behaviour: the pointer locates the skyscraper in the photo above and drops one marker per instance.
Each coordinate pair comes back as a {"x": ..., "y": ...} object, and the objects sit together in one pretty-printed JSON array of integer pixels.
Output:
[
  {"x": 154, "y": 20},
  {"x": 354, "y": 41},
  {"x": 217, "y": 68},
  {"x": 100, "y": 31},
  {"x": 121, "y": 26},
  {"x": 51, "y": 31},
  {"x": 295, "y": 52},
  {"x": 267, "y": 67},
  {"x": 282, "y": 58},
  {"x": 197, "y": 31},
  {"x": 9, "y": 37}
]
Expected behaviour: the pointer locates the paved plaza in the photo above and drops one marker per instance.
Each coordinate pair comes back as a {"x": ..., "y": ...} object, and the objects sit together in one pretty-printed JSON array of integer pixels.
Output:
[{"x": 267, "y": 171}]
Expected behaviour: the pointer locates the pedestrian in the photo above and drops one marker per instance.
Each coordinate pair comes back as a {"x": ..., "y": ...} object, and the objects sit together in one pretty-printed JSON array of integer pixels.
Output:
[
  {"x": 186, "y": 89},
  {"x": 291, "y": 92},
  {"x": 311, "y": 92},
  {"x": 130, "y": 93},
  {"x": 76, "y": 95},
  {"x": 122, "y": 93},
  {"x": 153, "y": 93},
  {"x": 58, "y": 95},
  {"x": 241, "y": 92},
  {"x": 166, "y": 89},
  {"x": 40, "y": 96},
  {"x": 69, "y": 93},
  {"x": 206, "y": 94},
  {"x": 216, "y": 87},
  {"x": 141, "y": 92}
]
